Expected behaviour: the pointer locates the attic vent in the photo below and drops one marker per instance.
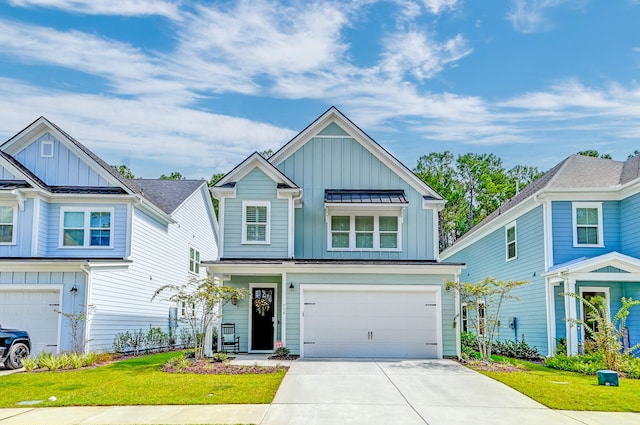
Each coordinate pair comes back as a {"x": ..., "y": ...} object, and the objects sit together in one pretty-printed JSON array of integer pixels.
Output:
[{"x": 46, "y": 149}]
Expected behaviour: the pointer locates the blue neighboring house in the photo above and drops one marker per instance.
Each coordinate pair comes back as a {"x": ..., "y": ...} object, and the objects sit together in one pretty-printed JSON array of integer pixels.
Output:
[
  {"x": 337, "y": 242},
  {"x": 572, "y": 230},
  {"x": 75, "y": 233}
]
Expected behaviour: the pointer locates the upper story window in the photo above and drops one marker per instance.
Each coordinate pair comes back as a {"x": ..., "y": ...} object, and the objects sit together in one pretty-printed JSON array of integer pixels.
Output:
[
  {"x": 8, "y": 217},
  {"x": 46, "y": 149},
  {"x": 86, "y": 228},
  {"x": 194, "y": 260},
  {"x": 256, "y": 218},
  {"x": 510, "y": 239},
  {"x": 364, "y": 232},
  {"x": 587, "y": 224}
]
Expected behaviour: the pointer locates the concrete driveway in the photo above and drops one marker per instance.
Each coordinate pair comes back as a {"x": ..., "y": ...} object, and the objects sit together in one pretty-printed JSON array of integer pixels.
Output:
[{"x": 416, "y": 392}]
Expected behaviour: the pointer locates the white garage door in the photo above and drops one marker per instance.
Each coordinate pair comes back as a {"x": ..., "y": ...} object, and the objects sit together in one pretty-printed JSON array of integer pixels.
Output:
[
  {"x": 32, "y": 311},
  {"x": 376, "y": 323}
]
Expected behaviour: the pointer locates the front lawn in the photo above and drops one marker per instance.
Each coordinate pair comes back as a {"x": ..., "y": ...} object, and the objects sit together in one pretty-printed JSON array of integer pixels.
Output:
[
  {"x": 569, "y": 390},
  {"x": 137, "y": 381}
]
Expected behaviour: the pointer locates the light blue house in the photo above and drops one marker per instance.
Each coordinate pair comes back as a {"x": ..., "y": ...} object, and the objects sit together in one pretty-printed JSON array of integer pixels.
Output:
[
  {"x": 574, "y": 230},
  {"x": 76, "y": 233},
  {"x": 337, "y": 242}
]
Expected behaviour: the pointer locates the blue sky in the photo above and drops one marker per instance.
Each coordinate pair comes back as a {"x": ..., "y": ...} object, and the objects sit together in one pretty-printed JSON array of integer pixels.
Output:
[{"x": 195, "y": 87}]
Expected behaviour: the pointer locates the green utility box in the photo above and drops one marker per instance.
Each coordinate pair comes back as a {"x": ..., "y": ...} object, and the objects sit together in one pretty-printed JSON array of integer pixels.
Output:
[{"x": 608, "y": 377}]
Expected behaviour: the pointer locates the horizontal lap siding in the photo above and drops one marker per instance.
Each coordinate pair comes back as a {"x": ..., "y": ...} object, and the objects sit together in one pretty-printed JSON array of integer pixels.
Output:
[
  {"x": 70, "y": 303},
  {"x": 293, "y": 300},
  {"x": 563, "y": 249},
  {"x": 63, "y": 169},
  {"x": 630, "y": 231},
  {"x": 239, "y": 314},
  {"x": 23, "y": 233},
  {"x": 119, "y": 233},
  {"x": 160, "y": 255},
  {"x": 256, "y": 186},
  {"x": 487, "y": 258},
  {"x": 342, "y": 163}
]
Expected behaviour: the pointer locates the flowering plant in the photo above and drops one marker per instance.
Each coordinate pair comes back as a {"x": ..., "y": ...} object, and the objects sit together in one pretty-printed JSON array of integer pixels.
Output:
[{"x": 262, "y": 305}]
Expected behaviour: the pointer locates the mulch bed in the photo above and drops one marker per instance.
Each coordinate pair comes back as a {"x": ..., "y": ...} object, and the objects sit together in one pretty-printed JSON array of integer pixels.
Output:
[
  {"x": 222, "y": 368},
  {"x": 289, "y": 357}
]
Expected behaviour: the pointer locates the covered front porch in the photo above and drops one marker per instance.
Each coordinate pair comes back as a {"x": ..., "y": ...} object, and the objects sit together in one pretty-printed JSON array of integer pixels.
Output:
[{"x": 610, "y": 276}]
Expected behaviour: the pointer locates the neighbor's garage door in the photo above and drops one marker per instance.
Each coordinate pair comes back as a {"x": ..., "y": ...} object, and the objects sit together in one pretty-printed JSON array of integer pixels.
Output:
[
  {"x": 32, "y": 311},
  {"x": 377, "y": 323}
]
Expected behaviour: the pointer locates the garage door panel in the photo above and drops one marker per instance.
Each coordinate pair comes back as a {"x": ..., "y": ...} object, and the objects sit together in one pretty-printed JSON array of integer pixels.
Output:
[
  {"x": 32, "y": 311},
  {"x": 370, "y": 324}
]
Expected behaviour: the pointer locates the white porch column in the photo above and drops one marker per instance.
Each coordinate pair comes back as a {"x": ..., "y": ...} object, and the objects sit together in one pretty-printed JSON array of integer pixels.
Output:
[
  {"x": 571, "y": 313},
  {"x": 283, "y": 325}
]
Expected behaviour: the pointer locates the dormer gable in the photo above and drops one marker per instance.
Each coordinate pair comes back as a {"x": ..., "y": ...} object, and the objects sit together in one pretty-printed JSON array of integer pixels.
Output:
[{"x": 226, "y": 186}]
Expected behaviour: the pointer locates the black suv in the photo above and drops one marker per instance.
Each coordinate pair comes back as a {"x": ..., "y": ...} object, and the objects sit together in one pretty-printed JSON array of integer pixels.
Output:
[{"x": 14, "y": 346}]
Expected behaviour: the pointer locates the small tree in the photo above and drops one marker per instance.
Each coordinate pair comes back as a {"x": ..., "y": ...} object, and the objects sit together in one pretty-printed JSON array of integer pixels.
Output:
[
  {"x": 606, "y": 331},
  {"x": 490, "y": 294},
  {"x": 200, "y": 300},
  {"x": 76, "y": 324}
]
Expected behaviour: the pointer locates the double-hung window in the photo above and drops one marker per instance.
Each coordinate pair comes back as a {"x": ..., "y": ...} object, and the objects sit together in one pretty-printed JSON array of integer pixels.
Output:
[
  {"x": 510, "y": 239},
  {"x": 7, "y": 224},
  {"x": 587, "y": 224},
  {"x": 364, "y": 232},
  {"x": 194, "y": 260},
  {"x": 256, "y": 217},
  {"x": 86, "y": 228}
]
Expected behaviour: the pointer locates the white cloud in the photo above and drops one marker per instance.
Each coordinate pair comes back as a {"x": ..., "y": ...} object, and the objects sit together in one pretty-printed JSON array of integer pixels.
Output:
[
  {"x": 165, "y": 8},
  {"x": 529, "y": 16},
  {"x": 438, "y": 6},
  {"x": 153, "y": 138}
]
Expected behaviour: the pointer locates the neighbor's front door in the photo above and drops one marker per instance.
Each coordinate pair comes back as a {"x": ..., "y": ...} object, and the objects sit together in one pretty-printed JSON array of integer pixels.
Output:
[{"x": 262, "y": 319}]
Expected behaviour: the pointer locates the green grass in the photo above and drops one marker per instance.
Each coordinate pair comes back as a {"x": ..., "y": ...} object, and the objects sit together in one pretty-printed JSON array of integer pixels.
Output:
[
  {"x": 137, "y": 381},
  {"x": 570, "y": 390}
]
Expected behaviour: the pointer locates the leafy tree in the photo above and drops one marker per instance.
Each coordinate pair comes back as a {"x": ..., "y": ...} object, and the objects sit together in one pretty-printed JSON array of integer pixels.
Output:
[
  {"x": 267, "y": 153},
  {"x": 606, "y": 331},
  {"x": 522, "y": 176},
  {"x": 488, "y": 295},
  {"x": 439, "y": 171},
  {"x": 595, "y": 154},
  {"x": 124, "y": 170},
  {"x": 175, "y": 175},
  {"x": 214, "y": 179},
  {"x": 635, "y": 152},
  {"x": 201, "y": 300}
]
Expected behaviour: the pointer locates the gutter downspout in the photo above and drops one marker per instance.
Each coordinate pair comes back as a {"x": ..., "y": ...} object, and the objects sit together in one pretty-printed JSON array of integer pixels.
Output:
[{"x": 87, "y": 321}]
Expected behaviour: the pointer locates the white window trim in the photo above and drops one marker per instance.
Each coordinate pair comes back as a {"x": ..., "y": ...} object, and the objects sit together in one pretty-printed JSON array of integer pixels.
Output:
[
  {"x": 44, "y": 143},
  {"x": 483, "y": 319},
  {"x": 598, "y": 206},
  {"x": 246, "y": 204},
  {"x": 513, "y": 226},
  {"x": 607, "y": 297},
  {"x": 87, "y": 228},
  {"x": 376, "y": 230},
  {"x": 15, "y": 223},
  {"x": 196, "y": 260}
]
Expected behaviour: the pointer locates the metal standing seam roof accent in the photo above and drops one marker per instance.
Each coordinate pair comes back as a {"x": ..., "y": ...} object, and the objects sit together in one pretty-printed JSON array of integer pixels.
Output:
[{"x": 355, "y": 196}]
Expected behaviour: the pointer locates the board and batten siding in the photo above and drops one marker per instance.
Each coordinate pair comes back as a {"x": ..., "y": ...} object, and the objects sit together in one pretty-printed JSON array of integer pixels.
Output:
[
  {"x": 343, "y": 163},
  {"x": 64, "y": 168},
  {"x": 6, "y": 175},
  {"x": 487, "y": 257},
  {"x": 293, "y": 299},
  {"x": 70, "y": 303},
  {"x": 562, "y": 219},
  {"x": 629, "y": 229},
  {"x": 22, "y": 233},
  {"x": 43, "y": 230},
  {"x": 160, "y": 255},
  {"x": 119, "y": 233},
  {"x": 256, "y": 186}
]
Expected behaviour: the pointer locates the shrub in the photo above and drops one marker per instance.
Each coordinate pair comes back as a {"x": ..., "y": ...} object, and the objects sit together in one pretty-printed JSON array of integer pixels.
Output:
[
  {"x": 76, "y": 360},
  {"x": 517, "y": 350},
  {"x": 282, "y": 352},
  {"x": 220, "y": 357},
  {"x": 64, "y": 361},
  {"x": 30, "y": 363},
  {"x": 49, "y": 361},
  {"x": 561, "y": 346},
  {"x": 89, "y": 359},
  {"x": 176, "y": 364},
  {"x": 186, "y": 338},
  {"x": 469, "y": 344},
  {"x": 121, "y": 342}
]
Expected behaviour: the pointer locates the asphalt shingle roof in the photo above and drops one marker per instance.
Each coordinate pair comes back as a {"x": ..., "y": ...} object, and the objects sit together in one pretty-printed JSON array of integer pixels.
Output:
[{"x": 167, "y": 194}]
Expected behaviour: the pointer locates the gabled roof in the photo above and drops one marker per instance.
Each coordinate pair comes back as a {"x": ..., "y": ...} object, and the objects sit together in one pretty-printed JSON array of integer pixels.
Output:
[
  {"x": 576, "y": 173},
  {"x": 168, "y": 195},
  {"x": 255, "y": 160},
  {"x": 335, "y": 116},
  {"x": 588, "y": 265}
]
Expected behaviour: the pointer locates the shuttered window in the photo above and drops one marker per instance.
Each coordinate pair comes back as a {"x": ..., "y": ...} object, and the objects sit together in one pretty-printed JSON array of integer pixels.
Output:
[{"x": 255, "y": 222}]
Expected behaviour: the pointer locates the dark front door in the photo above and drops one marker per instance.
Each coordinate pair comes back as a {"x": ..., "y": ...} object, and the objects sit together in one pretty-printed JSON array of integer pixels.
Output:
[{"x": 262, "y": 318}]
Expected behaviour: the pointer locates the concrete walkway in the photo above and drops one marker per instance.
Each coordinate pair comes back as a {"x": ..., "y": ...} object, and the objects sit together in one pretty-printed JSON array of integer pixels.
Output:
[{"x": 350, "y": 392}]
